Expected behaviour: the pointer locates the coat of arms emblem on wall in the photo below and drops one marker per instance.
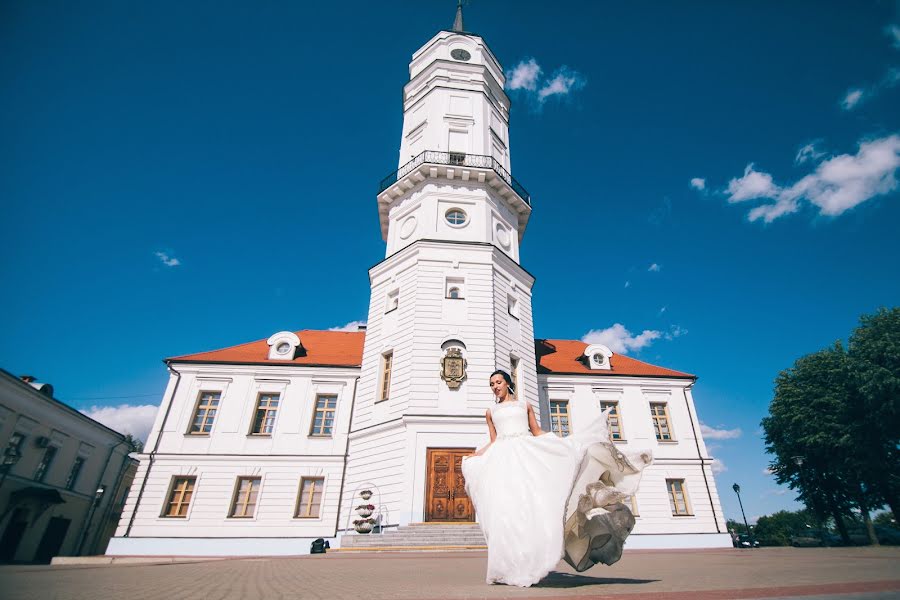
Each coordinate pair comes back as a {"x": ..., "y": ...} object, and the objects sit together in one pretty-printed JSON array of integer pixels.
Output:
[{"x": 453, "y": 368}]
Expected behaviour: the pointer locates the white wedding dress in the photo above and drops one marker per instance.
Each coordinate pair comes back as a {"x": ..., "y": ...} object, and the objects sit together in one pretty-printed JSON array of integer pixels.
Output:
[{"x": 539, "y": 499}]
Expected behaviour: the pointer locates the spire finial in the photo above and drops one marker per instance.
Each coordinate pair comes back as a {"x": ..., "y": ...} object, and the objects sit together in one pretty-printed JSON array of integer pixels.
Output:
[{"x": 458, "y": 21}]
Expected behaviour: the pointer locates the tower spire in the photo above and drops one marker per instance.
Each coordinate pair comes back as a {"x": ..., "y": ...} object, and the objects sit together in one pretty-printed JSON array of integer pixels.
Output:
[{"x": 458, "y": 21}]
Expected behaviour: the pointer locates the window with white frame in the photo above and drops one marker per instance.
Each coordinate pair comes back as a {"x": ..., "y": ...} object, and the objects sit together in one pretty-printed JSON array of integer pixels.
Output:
[
  {"x": 178, "y": 501},
  {"x": 309, "y": 499},
  {"x": 678, "y": 498},
  {"x": 514, "y": 373},
  {"x": 246, "y": 494},
  {"x": 205, "y": 413},
  {"x": 266, "y": 411},
  {"x": 74, "y": 472},
  {"x": 384, "y": 385},
  {"x": 512, "y": 305},
  {"x": 659, "y": 411},
  {"x": 323, "y": 417},
  {"x": 455, "y": 288},
  {"x": 393, "y": 300},
  {"x": 613, "y": 420},
  {"x": 46, "y": 460},
  {"x": 559, "y": 417}
]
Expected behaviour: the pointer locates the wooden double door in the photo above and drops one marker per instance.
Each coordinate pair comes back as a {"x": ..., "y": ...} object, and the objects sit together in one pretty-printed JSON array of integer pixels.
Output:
[{"x": 445, "y": 496}]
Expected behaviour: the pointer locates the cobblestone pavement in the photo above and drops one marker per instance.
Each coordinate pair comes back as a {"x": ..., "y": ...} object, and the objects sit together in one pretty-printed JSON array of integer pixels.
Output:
[{"x": 856, "y": 573}]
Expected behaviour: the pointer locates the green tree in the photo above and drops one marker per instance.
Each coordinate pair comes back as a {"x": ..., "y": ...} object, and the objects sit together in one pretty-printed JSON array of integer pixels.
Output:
[
  {"x": 806, "y": 432},
  {"x": 135, "y": 444},
  {"x": 874, "y": 354},
  {"x": 777, "y": 529}
]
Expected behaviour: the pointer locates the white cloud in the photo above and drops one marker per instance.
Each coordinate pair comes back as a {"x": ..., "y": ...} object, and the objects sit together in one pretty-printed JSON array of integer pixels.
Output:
[
  {"x": 718, "y": 466},
  {"x": 169, "y": 261},
  {"x": 675, "y": 332},
  {"x": 855, "y": 96},
  {"x": 564, "y": 81},
  {"x": 126, "y": 418},
  {"x": 351, "y": 326},
  {"x": 627, "y": 284},
  {"x": 620, "y": 340},
  {"x": 852, "y": 98},
  {"x": 754, "y": 184},
  {"x": 662, "y": 310},
  {"x": 893, "y": 32},
  {"x": 654, "y": 268},
  {"x": 711, "y": 433},
  {"x": 527, "y": 76},
  {"x": 837, "y": 184},
  {"x": 698, "y": 183},
  {"x": 524, "y": 76},
  {"x": 808, "y": 153}
]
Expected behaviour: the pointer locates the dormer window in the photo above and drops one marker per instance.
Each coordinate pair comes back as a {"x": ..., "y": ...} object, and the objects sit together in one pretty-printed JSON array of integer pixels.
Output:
[
  {"x": 598, "y": 356},
  {"x": 283, "y": 346}
]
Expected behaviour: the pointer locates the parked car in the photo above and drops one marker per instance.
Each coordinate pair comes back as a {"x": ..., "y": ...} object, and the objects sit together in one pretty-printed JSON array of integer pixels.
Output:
[
  {"x": 806, "y": 541},
  {"x": 745, "y": 541},
  {"x": 814, "y": 538}
]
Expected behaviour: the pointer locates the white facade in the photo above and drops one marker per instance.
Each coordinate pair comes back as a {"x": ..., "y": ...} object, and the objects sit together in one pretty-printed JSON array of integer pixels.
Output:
[
  {"x": 452, "y": 218},
  {"x": 683, "y": 458},
  {"x": 67, "y": 479}
]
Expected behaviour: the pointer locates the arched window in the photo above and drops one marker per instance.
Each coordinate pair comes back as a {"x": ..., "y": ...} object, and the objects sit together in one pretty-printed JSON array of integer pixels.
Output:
[{"x": 453, "y": 293}]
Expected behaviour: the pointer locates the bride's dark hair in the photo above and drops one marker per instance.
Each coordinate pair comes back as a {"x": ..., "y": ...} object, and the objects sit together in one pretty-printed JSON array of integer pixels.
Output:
[{"x": 506, "y": 378}]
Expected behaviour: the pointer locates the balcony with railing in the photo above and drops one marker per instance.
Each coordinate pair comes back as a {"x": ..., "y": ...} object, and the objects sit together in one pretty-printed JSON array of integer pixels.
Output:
[{"x": 456, "y": 159}]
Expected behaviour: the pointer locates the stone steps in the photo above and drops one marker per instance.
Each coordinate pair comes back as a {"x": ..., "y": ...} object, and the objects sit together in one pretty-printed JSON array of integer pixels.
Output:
[{"x": 418, "y": 537}]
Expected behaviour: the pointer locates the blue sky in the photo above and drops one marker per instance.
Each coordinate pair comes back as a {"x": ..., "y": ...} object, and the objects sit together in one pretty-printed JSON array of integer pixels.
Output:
[{"x": 245, "y": 141}]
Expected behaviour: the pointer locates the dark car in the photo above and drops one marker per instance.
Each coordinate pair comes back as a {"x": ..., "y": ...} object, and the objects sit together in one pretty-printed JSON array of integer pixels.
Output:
[
  {"x": 745, "y": 541},
  {"x": 813, "y": 538}
]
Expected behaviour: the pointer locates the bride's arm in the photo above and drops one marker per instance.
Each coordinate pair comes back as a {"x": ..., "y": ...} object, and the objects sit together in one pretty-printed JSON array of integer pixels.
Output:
[
  {"x": 491, "y": 429},
  {"x": 532, "y": 423}
]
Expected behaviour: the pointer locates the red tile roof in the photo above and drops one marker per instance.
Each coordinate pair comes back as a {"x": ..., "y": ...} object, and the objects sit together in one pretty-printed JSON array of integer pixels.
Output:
[
  {"x": 345, "y": 348},
  {"x": 319, "y": 348},
  {"x": 567, "y": 357}
]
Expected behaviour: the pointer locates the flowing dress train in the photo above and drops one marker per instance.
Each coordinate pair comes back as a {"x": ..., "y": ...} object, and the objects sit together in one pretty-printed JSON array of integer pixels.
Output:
[{"x": 542, "y": 498}]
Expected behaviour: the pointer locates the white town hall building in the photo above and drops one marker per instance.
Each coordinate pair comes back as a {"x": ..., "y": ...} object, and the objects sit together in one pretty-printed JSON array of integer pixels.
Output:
[{"x": 260, "y": 448}]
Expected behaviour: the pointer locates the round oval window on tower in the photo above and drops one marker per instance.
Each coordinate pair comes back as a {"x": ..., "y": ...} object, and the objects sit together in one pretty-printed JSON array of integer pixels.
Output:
[{"x": 456, "y": 217}]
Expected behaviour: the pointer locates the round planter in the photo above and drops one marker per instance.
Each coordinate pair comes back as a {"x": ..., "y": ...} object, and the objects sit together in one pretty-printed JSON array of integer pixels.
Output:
[
  {"x": 365, "y": 494},
  {"x": 364, "y": 512},
  {"x": 364, "y": 528}
]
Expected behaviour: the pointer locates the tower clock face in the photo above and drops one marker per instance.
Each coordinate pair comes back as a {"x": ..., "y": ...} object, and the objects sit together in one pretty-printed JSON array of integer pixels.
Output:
[{"x": 460, "y": 54}]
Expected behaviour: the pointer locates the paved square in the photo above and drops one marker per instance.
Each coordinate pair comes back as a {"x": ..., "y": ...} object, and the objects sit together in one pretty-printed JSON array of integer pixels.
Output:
[{"x": 669, "y": 575}]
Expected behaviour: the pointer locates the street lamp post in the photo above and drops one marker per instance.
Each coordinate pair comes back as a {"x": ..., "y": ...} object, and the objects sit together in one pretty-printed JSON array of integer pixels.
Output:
[{"x": 737, "y": 490}]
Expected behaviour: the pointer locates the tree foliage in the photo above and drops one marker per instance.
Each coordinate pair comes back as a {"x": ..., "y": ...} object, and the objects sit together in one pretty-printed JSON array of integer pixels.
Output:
[
  {"x": 134, "y": 443},
  {"x": 778, "y": 529},
  {"x": 834, "y": 424}
]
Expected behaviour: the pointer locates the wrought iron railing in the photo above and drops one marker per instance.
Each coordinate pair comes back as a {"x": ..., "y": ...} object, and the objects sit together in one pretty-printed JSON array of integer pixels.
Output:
[{"x": 460, "y": 159}]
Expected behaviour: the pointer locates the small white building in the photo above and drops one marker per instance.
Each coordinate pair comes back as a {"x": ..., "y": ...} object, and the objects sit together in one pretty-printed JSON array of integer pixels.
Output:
[
  {"x": 263, "y": 447},
  {"x": 63, "y": 476}
]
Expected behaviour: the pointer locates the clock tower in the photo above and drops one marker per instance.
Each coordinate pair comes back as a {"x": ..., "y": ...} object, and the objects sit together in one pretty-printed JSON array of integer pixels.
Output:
[{"x": 449, "y": 303}]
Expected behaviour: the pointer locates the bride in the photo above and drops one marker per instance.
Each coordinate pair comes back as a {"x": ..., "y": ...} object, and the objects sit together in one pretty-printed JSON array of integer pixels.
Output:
[{"x": 541, "y": 497}]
